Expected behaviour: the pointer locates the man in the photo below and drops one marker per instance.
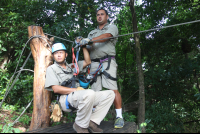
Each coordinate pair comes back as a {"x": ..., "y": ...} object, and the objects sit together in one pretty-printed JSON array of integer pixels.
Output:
[
  {"x": 78, "y": 98},
  {"x": 102, "y": 50}
]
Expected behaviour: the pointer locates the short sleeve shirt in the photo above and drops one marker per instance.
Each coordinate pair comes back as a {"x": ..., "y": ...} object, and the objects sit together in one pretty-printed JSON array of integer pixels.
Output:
[
  {"x": 56, "y": 74},
  {"x": 102, "y": 49}
]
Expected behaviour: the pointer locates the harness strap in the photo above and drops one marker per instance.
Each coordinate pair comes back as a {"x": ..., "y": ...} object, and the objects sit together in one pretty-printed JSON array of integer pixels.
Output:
[
  {"x": 109, "y": 60},
  {"x": 109, "y": 76},
  {"x": 104, "y": 73},
  {"x": 76, "y": 71},
  {"x": 103, "y": 58}
]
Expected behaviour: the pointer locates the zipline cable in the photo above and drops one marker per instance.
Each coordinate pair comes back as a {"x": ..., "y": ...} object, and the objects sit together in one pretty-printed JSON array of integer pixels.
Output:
[
  {"x": 190, "y": 22},
  {"x": 149, "y": 30},
  {"x": 59, "y": 37}
]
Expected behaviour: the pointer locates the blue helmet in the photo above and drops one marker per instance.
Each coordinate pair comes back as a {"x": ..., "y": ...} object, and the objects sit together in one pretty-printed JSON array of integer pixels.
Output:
[
  {"x": 57, "y": 47},
  {"x": 84, "y": 83}
]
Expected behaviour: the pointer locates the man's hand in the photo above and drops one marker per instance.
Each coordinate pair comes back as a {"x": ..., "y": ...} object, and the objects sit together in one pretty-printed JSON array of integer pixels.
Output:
[
  {"x": 56, "y": 114},
  {"x": 79, "y": 88},
  {"x": 86, "y": 41},
  {"x": 78, "y": 39}
]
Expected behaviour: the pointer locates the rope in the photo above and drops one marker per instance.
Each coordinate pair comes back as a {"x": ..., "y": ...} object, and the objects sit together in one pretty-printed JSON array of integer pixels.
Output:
[
  {"x": 59, "y": 37},
  {"x": 21, "y": 69},
  {"x": 19, "y": 72},
  {"x": 11, "y": 124},
  {"x": 23, "y": 112}
]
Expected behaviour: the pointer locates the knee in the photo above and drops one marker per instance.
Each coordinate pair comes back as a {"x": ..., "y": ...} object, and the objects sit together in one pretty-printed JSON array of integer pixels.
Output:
[
  {"x": 90, "y": 93},
  {"x": 112, "y": 93},
  {"x": 115, "y": 91}
]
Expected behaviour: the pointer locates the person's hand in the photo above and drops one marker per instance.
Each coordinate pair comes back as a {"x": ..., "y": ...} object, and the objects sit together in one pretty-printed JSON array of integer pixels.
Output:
[
  {"x": 56, "y": 114},
  {"x": 79, "y": 88},
  {"x": 78, "y": 39},
  {"x": 86, "y": 41}
]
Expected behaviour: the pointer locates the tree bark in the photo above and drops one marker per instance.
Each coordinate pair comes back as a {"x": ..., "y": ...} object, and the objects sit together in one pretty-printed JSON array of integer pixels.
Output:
[
  {"x": 141, "y": 108},
  {"x": 43, "y": 58}
]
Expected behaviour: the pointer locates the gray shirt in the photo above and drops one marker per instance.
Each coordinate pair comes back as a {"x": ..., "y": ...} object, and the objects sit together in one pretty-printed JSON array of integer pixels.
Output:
[
  {"x": 55, "y": 74},
  {"x": 102, "y": 49}
]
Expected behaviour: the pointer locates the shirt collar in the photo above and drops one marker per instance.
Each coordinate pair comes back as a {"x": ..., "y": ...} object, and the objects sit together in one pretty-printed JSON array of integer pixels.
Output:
[
  {"x": 103, "y": 27},
  {"x": 68, "y": 68}
]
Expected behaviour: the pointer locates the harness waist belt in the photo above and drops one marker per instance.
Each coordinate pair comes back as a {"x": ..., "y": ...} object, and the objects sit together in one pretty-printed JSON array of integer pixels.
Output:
[{"x": 103, "y": 58}]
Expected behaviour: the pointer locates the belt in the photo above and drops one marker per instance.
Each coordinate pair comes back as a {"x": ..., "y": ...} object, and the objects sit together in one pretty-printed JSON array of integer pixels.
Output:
[{"x": 105, "y": 58}]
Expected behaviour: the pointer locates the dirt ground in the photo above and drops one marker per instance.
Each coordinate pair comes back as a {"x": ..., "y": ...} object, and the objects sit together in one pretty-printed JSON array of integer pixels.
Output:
[{"x": 6, "y": 117}]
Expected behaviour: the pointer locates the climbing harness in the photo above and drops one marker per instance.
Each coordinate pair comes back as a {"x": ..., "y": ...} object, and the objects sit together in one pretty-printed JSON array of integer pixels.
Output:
[{"x": 93, "y": 75}]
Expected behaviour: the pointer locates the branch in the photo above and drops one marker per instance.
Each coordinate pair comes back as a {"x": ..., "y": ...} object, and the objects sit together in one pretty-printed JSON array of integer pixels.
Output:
[{"x": 191, "y": 121}]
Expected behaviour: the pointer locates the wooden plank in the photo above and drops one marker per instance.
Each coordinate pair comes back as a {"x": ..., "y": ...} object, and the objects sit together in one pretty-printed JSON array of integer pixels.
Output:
[{"x": 107, "y": 126}]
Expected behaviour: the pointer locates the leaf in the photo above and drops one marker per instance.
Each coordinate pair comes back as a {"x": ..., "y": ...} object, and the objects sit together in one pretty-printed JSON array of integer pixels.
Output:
[{"x": 4, "y": 49}]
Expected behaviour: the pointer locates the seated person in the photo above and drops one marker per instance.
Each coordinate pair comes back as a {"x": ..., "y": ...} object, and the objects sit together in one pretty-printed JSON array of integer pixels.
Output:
[{"x": 79, "y": 98}]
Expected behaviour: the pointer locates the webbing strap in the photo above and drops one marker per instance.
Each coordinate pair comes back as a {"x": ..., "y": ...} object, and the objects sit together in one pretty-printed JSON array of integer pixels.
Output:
[{"x": 76, "y": 72}]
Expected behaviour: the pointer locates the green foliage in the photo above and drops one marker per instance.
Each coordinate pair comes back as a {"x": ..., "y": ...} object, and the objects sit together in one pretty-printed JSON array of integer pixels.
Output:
[
  {"x": 129, "y": 117},
  {"x": 25, "y": 119},
  {"x": 8, "y": 128},
  {"x": 142, "y": 125},
  {"x": 56, "y": 123},
  {"x": 108, "y": 117},
  {"x": 71, "y": 118}
]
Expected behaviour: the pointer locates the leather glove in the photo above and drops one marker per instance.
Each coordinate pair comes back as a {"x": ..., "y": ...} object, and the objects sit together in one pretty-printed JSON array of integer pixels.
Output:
[
  {"x": 56, "y": 114},
  {"x": 86, "y": 41},
  {"x": 79, "y": 88}
]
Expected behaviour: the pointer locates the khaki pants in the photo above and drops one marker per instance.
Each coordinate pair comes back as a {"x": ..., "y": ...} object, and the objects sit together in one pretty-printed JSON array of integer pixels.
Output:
[
  {"x": 103, "y": 80},
  {"x": 85, "y": 100}
]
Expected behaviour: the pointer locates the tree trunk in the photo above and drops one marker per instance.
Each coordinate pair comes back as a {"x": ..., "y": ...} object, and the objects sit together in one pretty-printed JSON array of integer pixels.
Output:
[
  {"x": 141, "y": 108},
  {"x": 43, "y": 58}
]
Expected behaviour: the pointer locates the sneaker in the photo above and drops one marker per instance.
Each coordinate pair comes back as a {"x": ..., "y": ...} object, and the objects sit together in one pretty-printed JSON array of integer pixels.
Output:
[
  {"x": 119, "y": 123},
  {"x": 80, "y": 129},
  {"x": 93, "y": 128}
]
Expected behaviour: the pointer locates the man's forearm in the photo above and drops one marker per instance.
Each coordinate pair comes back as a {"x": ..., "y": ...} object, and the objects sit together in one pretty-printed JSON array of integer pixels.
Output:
[
  {"x": 87, "y": 59},
  {"x": 62, "y": 90},
  {"x": 106, "y": 35}
]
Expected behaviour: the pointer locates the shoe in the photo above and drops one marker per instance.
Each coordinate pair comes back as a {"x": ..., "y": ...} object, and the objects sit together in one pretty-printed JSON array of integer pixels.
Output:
[
  {"x": 93, "y": 128},
  {"x": 80, "y": 129},
  {"x": 119, "y": 123}
]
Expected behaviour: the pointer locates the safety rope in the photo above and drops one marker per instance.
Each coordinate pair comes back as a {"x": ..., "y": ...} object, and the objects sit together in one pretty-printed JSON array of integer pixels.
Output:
[
  {"x": 21, "y": 69},
  {"x": 16, "y": 78}
]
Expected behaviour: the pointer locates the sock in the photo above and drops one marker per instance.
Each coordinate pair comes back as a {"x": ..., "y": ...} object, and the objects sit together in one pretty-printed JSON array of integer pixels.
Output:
[{"x": 119, "y": 113}]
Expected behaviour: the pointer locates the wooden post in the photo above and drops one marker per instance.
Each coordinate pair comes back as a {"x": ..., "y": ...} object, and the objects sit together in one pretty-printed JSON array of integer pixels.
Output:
[{"x": 43, "y": 58}]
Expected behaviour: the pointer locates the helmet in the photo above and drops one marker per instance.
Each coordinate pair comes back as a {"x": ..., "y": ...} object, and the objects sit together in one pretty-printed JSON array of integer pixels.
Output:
[
  {"x": 57, "y": 47},
  {"x": 84, "y": 83}
]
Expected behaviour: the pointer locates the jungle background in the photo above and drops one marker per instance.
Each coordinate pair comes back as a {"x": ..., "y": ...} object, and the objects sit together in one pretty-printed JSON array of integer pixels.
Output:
[{"x": 170, "y": 57}]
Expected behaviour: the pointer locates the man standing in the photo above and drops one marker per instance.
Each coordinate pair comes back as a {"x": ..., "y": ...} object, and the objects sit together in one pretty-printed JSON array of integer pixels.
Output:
[
  {"x": 76, "y": 97},
  {"x": 102, "y": 53}
]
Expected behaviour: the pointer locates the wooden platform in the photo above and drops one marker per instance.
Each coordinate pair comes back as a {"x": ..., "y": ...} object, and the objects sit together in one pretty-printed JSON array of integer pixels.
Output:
[{"x": 107, "y": 126}]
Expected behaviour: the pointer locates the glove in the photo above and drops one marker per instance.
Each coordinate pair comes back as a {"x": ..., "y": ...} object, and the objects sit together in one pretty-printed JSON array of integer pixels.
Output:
[
  {"x": 86, "y": 41},
  {"x": 56, "y": 114},
  {"x": 79, "y": 88},
  {"x": 79, "y": 38}
]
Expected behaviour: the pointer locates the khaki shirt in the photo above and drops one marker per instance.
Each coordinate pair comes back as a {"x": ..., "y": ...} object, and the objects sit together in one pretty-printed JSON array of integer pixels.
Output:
[
  {"x": 55, "y": 74},
  {"x": 99, "y": 50}
]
